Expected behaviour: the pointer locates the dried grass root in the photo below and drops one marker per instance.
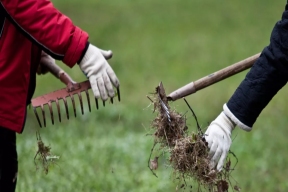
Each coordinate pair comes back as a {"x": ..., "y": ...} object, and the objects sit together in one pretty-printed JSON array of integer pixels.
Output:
[{"x": 44, "y": 155}]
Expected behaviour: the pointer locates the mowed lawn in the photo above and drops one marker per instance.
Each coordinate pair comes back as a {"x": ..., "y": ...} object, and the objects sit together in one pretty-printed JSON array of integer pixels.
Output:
[{"x": 175, "y": 42}]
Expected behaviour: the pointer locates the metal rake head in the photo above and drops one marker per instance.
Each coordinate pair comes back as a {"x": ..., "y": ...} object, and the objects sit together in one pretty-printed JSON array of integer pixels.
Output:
[{"x": 70, "y": 91}]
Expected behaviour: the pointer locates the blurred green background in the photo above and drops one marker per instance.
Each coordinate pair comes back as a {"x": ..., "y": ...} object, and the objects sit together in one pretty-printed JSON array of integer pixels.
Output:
[{"x": 175, "y": 42}]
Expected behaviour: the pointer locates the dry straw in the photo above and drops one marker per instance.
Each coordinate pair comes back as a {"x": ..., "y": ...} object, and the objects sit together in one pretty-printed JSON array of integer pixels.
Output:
[{"x": 188, "y": 152}]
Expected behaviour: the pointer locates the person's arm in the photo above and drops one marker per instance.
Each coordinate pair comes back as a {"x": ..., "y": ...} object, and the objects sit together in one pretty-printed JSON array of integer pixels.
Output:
[
  {"x": 55, "y": 33},
  {"x": 47, "y": 27},
  {"x": 267, "y": 76}
]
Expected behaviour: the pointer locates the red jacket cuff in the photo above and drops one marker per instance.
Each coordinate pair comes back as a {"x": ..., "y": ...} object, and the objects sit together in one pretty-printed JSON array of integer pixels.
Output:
[{"x": 76, "y": 47}]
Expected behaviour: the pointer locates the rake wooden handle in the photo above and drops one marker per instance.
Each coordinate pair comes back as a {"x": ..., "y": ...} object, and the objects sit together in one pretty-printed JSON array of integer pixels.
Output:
[
  {"x": 59, "y": 73},
  {"x": 215, "y": 77}
]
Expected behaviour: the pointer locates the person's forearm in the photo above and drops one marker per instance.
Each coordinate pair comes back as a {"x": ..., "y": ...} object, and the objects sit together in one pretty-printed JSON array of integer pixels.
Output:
[
  {"x": 43, "y": 24},
  {"x": 267, "y": 76}
]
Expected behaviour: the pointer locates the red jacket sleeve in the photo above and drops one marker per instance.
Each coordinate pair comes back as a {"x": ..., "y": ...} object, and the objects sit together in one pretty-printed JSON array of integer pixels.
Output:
[{"x": 46, "y": 26}]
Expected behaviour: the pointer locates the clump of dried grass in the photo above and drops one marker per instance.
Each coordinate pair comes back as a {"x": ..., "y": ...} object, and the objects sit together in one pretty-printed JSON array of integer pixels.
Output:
[
  {"x": 168, "y": 129},
  {"x": 188, "y": 151},
  {"x": 189, "y": 157}
]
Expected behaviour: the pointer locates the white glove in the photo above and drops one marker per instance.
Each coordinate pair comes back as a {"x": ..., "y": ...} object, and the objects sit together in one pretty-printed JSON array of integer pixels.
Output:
[
  {"x": 45, "y": 58},
  {"x": 101, "y": 76},
  {"x": 218, "y": 136}
]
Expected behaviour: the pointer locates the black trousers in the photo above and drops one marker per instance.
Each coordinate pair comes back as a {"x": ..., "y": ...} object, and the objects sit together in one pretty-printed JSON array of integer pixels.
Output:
[{"x": 8, "y": 160}]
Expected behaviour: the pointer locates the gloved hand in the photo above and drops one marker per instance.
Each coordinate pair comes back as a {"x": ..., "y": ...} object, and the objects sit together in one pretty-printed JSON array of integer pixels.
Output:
[
  {"x": 45, "y": 58},
  {"x": 101, "y": 76},
  {"x": 218, "y": 136}
]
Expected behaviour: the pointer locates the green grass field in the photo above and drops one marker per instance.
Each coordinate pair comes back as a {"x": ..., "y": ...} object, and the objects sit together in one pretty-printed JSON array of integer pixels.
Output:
[{"x": 175, "y": 42}]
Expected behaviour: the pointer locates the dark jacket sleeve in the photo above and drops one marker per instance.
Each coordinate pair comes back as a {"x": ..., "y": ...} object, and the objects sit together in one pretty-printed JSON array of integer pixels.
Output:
[{"x": 266, "y": 77}]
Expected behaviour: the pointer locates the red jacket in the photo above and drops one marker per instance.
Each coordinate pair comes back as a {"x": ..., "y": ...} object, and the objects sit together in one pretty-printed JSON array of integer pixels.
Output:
[{"x": 26, "y": 28}]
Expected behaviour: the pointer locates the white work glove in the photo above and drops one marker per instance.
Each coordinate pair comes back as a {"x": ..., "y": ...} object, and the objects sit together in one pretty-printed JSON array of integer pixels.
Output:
[
  {"x": 45, "y": 58},
  {"x": 218, "y": 136},
  {"x": 101, "y": 76}
]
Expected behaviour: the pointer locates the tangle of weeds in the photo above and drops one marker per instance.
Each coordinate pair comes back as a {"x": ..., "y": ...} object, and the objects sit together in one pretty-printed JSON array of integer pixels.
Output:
[{"x": 188, "y": 152}]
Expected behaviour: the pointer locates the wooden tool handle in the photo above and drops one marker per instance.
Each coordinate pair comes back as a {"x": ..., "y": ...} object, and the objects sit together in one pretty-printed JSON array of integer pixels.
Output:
[
  {"x": 215, "y": 77},
  {"x": 58, "y": 73}
]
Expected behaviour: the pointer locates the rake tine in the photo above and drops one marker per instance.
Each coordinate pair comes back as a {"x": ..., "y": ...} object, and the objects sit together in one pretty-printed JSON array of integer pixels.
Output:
[
  {"x": 43, "y": 114},
  {"x": 118, "y": 93},
  {"x": 96, "y": 100},
  {"x": 58, "y": 108},
  {"x": 51, "y": 112},
  {"x": 73, "y": 103},
  {"x": 104, "y": 103},
  {"x": 35, "y": 112},
  {"x": 81, "y": 103},
  {"x": 111, "y": 100},
  {"x": 88, "y": 99},
  {"x": 66, "y": 107}
]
